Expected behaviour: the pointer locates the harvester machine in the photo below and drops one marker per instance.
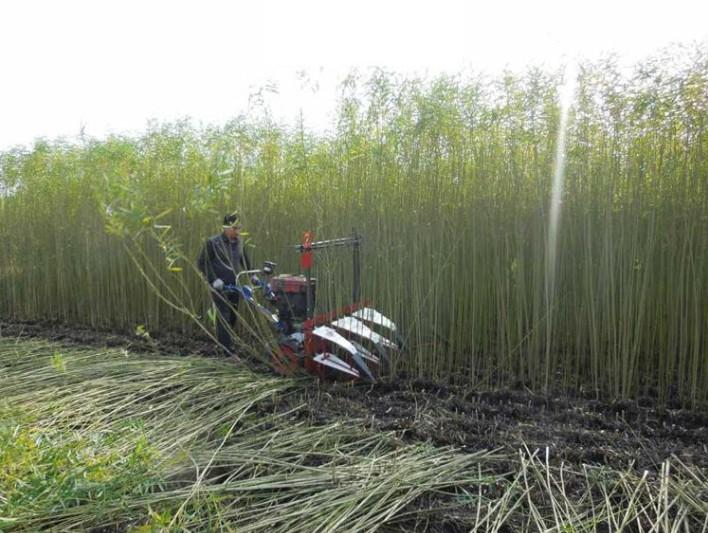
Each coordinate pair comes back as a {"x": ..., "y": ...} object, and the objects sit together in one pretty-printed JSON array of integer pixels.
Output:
[{"x": 353, "y": 342}]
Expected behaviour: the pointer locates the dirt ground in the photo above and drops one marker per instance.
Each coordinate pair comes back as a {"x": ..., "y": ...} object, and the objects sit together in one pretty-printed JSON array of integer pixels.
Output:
[
  {"x": 620, "y": 434},
  {"x": 635, "y": 434}
]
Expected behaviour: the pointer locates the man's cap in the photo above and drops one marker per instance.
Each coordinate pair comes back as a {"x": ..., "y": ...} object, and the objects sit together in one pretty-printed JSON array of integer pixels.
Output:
[{"x": 232, "y": 220}]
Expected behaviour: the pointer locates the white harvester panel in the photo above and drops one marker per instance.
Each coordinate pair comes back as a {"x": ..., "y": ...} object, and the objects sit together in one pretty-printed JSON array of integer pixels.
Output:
[
  {"x": 373, "y": 316},
  {"x": 332, "y": 361},
  {"x": 366, "y": 354},
  {"x": 328, "y": 334},
  {"x": 352, "y": 325}
]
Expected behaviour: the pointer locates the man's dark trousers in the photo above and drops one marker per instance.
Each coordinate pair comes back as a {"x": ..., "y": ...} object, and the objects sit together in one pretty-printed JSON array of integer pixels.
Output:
[{"x": 226, "y": 307}]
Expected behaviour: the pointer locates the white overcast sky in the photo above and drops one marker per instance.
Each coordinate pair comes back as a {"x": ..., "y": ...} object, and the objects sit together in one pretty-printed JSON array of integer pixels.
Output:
[{"x": 111, "y": 65}]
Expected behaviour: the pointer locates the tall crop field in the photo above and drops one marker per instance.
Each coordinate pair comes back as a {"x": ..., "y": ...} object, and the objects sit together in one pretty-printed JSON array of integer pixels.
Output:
[{"x": 449, "y": 182}]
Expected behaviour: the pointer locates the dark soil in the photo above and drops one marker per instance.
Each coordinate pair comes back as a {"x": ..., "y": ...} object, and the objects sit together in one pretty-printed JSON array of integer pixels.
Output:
[
  {"x": 627, "y": 434},
  {"x": 620, "y": 434},
  {"x": 77, "y": 336}
]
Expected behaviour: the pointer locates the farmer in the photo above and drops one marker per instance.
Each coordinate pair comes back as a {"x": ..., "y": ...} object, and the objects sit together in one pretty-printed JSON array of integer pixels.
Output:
[{"x": 220, "y": 260}]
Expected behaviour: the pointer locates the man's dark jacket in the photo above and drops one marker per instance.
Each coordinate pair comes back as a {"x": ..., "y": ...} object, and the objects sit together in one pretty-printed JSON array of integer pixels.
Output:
[{"x": 215, "y": 260}]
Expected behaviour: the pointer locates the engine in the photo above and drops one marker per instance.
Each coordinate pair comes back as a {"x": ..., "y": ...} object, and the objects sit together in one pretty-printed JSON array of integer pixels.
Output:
[{"x": 290, "y": 293}]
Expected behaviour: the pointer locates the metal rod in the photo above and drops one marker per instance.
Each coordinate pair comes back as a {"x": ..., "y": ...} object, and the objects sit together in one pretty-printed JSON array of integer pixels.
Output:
[
  {"x": 308, "y": 293},
  {"x": 344, "y": 241},
  {"x": 356, "y": 260},
  {"x": 246, "y": 273},
  {"x": 354, "y": 241}
]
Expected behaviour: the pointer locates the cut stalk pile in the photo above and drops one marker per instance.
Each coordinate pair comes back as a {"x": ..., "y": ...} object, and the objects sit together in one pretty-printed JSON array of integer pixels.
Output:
[
  {"x": 100, "y": 439},
  {"x": 137, "y": 443}
]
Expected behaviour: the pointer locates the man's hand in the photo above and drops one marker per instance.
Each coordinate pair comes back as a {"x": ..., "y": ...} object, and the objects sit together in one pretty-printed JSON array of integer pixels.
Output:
[
  {"x": 218, "y": 284},
  {"x": 255, "y": 280}
]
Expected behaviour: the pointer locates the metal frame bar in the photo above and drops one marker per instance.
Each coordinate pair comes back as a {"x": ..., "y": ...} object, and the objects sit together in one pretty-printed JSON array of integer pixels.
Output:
[
  {"x": 308, "y": 247},
  {"x": 355, "y": 242}
]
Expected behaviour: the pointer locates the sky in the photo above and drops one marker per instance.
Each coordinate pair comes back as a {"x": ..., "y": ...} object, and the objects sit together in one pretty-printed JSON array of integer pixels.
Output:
[{"x": 110, "y": 66}]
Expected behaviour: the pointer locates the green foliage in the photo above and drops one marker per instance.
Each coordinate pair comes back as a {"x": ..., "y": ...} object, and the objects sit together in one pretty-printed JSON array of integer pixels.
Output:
[
  {"x": 48, "y": 470},
  {"x": 58, "y": 362}
]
